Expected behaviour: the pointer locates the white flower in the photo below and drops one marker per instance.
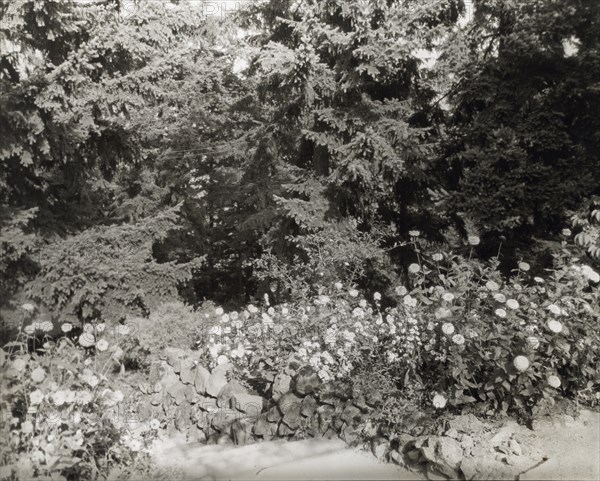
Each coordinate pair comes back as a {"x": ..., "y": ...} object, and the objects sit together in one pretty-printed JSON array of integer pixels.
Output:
[
  {"x": 401, "y": 290},
  {"x": 590, "y": 274},
  {"x": 414, "y": 233},
  {"x": 353, "y": 293},
  {"x": 87, "y": 339},
  {"x": 500, "y": 312},
  {"x": 123, "y": 329},
  {"x": 38, "y": 374},
  {"x": 28, "y": 307},
  {"x": 442, "y": 313},
  {"x": 29, "y": 329},
  {"x": 87, "y": 327},
  {"x": 524, "y": 266},
  {"x": 135, "y": 445},
  {"x": 100, "y": 327},
  {"x": 358, "y": 312},
  {"x": 36, "y": 397},
  {"x": 362, "y": 303},
  {"x": 102, "y": 345},
  {"x": 339, "y": 286},
  {"x": 512, "y": 303},
  {"x": 448, "y": 328},
  {"x": 252, "y": 309},
  {"x": 500, "y": 297},
  {"x": 458, "y": 339},
  {"x": 566, "y": 232},
  {"x": 154, "y": 424},
  {"x": 539, "y": 280},
  {"x": 554, "y": 326},
  {"x": 554, "y": 381},
  {"x": 410, "y": 301},
  {"x": 448, "y": 296},
  {"x": 521, "y": 363},
  {"x": 377, "y": 296},
  {"x": 554, "y": 309},
  {"x": 66, "y": 327},
  {"x": 219, "y": 311},
  {"x": 437, "y": 257},
  {"x": 27, "y": 427},
  {"x": 439, "y": 401},
  {"x": 492, "y": 286},
  {"x": 473, "y": 240},
  {"x": 414, "y": 268},
  {"x": 222, "y": 359}
]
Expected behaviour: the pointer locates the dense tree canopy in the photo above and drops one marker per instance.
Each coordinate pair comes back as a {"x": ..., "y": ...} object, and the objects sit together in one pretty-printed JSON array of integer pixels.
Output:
[{"x": 294, "y": 142}]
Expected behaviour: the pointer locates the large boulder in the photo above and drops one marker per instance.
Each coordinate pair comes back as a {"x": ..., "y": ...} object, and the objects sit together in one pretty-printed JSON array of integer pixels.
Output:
[
  {"x": 444, "y": 454},
  {"x": 218, "y": 379},
  {"x": 306, "y": 381}
]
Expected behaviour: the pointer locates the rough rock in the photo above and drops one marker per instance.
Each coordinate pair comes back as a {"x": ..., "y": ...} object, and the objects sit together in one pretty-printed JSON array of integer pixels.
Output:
[
  {"x": 187, "y": 374},
  {"x": 274, "y": 415},
  {"x": 285, "y": 430},
  {"x": 351, "y": 415},
  {"x": 289, "y": 402},
  {"x": 218, "y": 379},
  {"x": 249, "y": 404},
  {"x": 264, "y": 428},
  {"x": 444, "y": 454},
  {"x": 309, "y": 406},
  {"x": 241, "y": 431},
  {"x": 379, "y": 448},
  {"x": 231, "y": 389},
  {"x": 281, "y": 385},
  {"x": 306, "y": 381},
  {"x": 515, "y": 447},
  {"x": 201, "y": 379}
]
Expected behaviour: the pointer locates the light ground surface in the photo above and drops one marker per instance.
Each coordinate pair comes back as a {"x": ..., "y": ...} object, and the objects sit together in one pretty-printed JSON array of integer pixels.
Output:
[{"x": 572, "y": 449}]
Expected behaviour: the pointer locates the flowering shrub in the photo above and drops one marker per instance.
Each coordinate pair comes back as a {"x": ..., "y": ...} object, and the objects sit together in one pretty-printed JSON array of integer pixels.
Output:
[
  {"x": 460, "y": 332},
  {"x": 62, "y": 417}
]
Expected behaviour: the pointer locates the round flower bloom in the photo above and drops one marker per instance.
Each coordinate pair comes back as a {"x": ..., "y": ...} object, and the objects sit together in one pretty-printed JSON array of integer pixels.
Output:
[
  {"x": 500, "y": 312},
  {"x": 539, "y": 280},
  {"x": 18, "y": 364},
  {"x": 437, "y": 257},
  {"x": 448, "y": 328},
  {"x": 36, "y": 397},
  {"x": 27, "y": 427},
  {"x": 524, "y": 266},
  {"x": 29, "y": 329},
  {"x": 362, "y": 303},
  {"x": 512, "y": 303},
  {"x": 566, "y": 232},
  {"x": 500, "y": 297},
  {"x": 135, "y": 445},
  {"x": 590, "y": 274},
  {"x": 492, "y": 286},
  {"x": 222, "y": 359},
  {"x": 358, "y": 312},
  {"x": 338, "y": 286},
  {"x": 473, "y": 240},
  {"x": 554, "y": 326},
  {"x": 123, "y": 329},
  {"x": 252, "y": 309},
  {"x": 414, "y": 268},
  {"x": 38, "y": 374},
  {"x": 554, "y": 309},
  {"x": 102, "y": 345},
  {"x": 401, "y": 290},
  {"x": 533, "y": 342},
  {"x": 100, "y": 327},
  {"x": 448, "y": 296},
  {"x": 554, "y": 381},
  {"x": 458, "y": 339},
  {"x": 414, "y": 233},
  {"x": 439, "y": 401},
  {"x": 442, "y": 313},
  {"x": 154, "y": 424},
  {"x": 409, "y": 301},
  {"x": 219, "y": 311},
  {"x": 46, "y": 326},
  {"x": 353, "y": 293},
  {"x": 87, "y": 339},
  {"x": 87, "y": 327},
  {"x": 28, "y": 307},
  {"x": 66, "y": 327},
  {"x": 377, "y": 296},
  {"x": 521, "y": 363}
]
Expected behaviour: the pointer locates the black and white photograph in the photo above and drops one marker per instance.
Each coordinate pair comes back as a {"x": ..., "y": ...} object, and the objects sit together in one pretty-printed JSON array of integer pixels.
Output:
[{"x": 297, "y": 240}]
